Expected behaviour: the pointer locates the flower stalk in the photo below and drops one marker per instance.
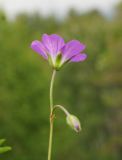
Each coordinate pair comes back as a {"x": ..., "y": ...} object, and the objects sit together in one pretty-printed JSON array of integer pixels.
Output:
[
  {"x": 62, "y": 108},
  {"x": 51, "y": 115}
]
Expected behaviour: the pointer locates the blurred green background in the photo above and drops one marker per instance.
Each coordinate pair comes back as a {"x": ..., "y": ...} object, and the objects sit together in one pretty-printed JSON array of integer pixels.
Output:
[{"x": 91, "y": 90}]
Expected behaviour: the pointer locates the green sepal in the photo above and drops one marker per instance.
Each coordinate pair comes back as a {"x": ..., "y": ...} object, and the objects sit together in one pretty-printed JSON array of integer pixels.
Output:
[
  {"x": 58, "y": 62},
  {"x": 50, "y": 60}
]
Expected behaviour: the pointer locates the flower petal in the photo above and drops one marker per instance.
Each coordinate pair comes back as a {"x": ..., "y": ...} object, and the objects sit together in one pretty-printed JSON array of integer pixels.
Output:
[
  {"x": 38, "y": 47},
  {"x": 79, "y": 57},
  {"x": 53, "y": 44},
  {"x": 71, "y": 49}
]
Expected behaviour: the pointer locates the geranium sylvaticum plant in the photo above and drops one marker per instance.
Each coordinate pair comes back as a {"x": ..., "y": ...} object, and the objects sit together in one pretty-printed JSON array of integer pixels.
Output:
[{"x": 53, "y": 49}]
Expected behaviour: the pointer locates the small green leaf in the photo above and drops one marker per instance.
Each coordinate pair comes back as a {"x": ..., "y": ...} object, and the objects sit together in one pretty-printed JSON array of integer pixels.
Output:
[
  {"x": 4, "y": 149},
  {"x": 2, "y": 141}
]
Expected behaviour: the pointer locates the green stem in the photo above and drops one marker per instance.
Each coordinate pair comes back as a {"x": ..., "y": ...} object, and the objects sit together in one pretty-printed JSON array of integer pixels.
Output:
[
  {"x": 62, "y": 108},
  {"x": 51, "y": 115}
]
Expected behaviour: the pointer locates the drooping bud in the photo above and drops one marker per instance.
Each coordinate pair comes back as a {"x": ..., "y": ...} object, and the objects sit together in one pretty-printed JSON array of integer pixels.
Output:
[{"x": 73, "y": 122}]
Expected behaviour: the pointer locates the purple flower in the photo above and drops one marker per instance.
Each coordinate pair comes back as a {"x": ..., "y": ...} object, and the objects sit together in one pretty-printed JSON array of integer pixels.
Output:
[{"x": 57, "y": 52}]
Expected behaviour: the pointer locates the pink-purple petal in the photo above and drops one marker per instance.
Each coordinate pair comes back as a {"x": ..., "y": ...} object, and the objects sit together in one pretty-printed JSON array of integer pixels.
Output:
[
  {"x": 71, "y": 49},
  {"x": 79, "y": 58},
  {"x": 38, "y": 47},
  {"x": 53, "y": 44}
]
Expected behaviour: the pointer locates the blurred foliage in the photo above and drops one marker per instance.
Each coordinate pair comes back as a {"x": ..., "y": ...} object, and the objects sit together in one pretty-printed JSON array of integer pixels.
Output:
[
  {"x": 92, "y": 90},
  {"x": 4, "y": 149}
]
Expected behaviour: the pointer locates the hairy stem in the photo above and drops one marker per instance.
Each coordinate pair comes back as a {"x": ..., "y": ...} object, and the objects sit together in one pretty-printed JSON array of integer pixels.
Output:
[{"x": 51, "y": 115}]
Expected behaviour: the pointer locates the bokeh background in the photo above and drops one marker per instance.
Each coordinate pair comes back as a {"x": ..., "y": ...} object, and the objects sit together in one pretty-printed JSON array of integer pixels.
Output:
[{"x": 92, "y": 90}]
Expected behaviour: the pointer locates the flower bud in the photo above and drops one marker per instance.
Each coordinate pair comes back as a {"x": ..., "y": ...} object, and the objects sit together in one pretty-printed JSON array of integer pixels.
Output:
[{"x": 73, "y": 122}]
